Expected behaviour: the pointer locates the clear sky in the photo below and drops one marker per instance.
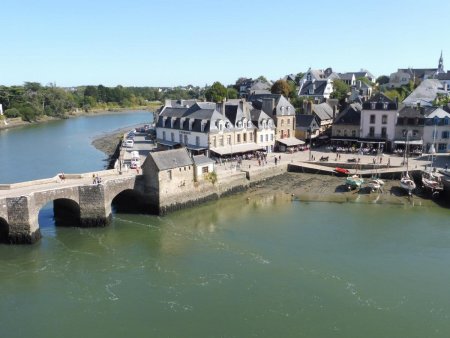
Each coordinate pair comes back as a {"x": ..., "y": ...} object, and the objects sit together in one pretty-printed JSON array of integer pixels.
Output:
[{"x": 180, "y": 42}]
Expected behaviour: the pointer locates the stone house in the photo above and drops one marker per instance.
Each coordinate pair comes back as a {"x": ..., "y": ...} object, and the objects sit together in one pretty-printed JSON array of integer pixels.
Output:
[
  {"x": 265, "y": 132},
  {"x": 282, "y": 112},
  {"x": 306, "y": 127},
  {"x": 166, "y": 173},
  {"x": 346, "y": 126},
  {"x": 411, "y": 120},
  {"x": 202, "y": 166},
  {"x": 324, "y": 113}
]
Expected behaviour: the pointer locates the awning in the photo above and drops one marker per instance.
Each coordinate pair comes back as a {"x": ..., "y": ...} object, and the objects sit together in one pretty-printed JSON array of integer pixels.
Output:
[
  {"x": 345, "y": 139},
  {"x": 238, "y": 148},
  {"x": 375, "y": 142},
  {"x": 193, "y": 147},
  {"x": 167, "y": 143},
  {"x": 291, "y": 141},
  {"x": 414, "y": 142}
]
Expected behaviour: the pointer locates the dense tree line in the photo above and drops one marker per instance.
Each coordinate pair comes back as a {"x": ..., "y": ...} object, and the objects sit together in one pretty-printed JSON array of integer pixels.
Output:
[{"x": 33, "y": 100}]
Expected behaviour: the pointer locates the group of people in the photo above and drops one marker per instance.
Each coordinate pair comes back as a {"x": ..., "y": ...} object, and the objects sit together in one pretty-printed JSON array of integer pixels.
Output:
[{"x": 96, "y": 179}]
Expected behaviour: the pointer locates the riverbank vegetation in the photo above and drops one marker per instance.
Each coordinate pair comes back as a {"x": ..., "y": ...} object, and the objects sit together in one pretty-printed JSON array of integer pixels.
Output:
[{"x": 33, "y": 101}]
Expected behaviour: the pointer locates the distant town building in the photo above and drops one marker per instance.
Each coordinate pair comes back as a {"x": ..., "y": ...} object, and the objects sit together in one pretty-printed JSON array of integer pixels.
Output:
[
  {"x": 346, "y": 126},
  {"x": 437, "y": 131}
]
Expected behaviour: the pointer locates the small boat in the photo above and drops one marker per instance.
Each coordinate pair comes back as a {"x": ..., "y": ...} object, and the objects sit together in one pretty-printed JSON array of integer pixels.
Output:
[
  {"x": 432, "y": 182},
  {"x": 342, "y": 171},
  {"x": 354, "y": 182},
  {"x": 375, "y": 184},
  {"x": 430, "y": 179},
  {"x": 407, "y": 183}
]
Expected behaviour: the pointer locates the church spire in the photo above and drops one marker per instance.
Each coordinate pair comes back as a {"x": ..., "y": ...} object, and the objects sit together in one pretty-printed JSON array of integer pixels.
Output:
[{"x": 441, "y": 65}]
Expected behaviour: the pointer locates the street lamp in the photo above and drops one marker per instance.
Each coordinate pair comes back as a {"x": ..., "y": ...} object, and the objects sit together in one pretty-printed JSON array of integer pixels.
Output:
[{"x": 310, "y": 144}]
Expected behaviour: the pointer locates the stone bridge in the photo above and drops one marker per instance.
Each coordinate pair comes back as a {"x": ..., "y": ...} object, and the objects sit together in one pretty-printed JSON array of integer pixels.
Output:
[{"x": 77, "y": 201}]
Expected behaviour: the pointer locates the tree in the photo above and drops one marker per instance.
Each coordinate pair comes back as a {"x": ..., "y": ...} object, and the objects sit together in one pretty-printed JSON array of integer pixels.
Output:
[
  {"x": 262, "y": 79},
  {"x": 364, "y": 80},
  {"x": 298, "y": 77},
  {"x": 281, "y": 87},
  {"x": 340, "y": 90},
  {"x": 232, "y": 93},
  {"x": 216, "y": 93},
  {"x": 383, "y": 79}
]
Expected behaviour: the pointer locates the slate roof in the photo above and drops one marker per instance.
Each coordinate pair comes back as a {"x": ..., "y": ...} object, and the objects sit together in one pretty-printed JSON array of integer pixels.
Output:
[
  {"x": 202, "y": 159},
  {"x": 412, "y": 112},
  {"x": 426, "y": 91},
  {"x": 346, "y": 76},
  {"x": 419, "y": 72},
  {"x": 304, "y": 120},
  {"x": 257, "y": 115},
  {"x": 323, "y": 111},
  {"x": 317, "y": 86},
  {"x": 444, "y": 76},
  {"x": 380, "y": 99},
  {"x": 350, "y": 115},
  {"x": 170, "y": 159}
]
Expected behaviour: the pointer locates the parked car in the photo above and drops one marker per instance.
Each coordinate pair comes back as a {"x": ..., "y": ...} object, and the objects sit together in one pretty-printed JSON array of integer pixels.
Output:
[{"x": 128, "y": 143}]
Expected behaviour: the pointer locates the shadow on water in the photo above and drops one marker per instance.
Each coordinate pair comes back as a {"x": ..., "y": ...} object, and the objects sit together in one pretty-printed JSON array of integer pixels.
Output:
[{"x": 4, "y": 231}]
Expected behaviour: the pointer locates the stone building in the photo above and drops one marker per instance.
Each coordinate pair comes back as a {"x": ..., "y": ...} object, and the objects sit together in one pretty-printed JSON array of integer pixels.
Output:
[
  {"x": 282, "y": 112},
  {"x": 346, "y": 127},
  {"x": 166, "y": 173}
]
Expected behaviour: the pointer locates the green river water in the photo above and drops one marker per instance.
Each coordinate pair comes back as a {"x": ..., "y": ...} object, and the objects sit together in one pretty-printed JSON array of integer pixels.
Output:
[{"x": 238, "y": 267}]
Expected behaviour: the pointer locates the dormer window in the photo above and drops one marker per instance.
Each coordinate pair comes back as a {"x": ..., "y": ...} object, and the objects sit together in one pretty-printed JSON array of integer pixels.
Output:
[
  {"x": 385, "y": 105},
  {"x": 191, "y": 122},
  {"x": 220, "y": 125},
  {"x": 228, "y": 125},
  {"x": 373, "y": 105},
  {"x": 239, "y": 124},
  {"x": 308, "y": 77},
  {"x": 203, "y": 126},
  {"x": 249, "y": 124},
  {"x": 282, "y": 110},
  {"x": 311, "y": 91}
]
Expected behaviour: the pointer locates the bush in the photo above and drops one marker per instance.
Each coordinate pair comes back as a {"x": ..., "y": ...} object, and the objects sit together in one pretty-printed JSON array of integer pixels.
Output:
[{"x": 12, "y": 112}]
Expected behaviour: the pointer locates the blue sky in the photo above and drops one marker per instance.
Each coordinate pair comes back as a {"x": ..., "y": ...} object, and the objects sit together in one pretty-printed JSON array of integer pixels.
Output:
[{"x": 168, "y": 43}]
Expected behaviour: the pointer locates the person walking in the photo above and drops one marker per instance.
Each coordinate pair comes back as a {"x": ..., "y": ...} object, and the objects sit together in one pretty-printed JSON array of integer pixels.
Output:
[{"x": 276, "y": 160}]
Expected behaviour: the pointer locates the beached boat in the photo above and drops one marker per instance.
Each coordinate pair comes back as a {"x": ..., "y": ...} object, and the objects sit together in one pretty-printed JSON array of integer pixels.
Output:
[
  {"x": 431, "y": 180},
  {"x": 354, "y": 182},
  {"x": 375, "y": 184},
  {"x": 342, "y": 171},
  {"x": 406, "y": 182}
]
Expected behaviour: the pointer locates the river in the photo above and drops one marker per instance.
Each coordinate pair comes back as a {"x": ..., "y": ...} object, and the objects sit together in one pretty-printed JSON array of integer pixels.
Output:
[{"x": 245, "y": 266}]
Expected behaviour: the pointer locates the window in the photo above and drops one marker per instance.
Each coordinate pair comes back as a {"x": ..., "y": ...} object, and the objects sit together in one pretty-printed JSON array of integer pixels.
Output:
[
  {"x": 197, "y": 141},
  {"x": 345, "y": 132},
  {"x": 339, "y": 132},
  {"x": 214, "y": 141},
  {"x": 240, "y": 124},
  {"x": 261, "y": 138},
  {"x": 385, "y": 105},
  {"x": 238, "y": 138},
  {"x": 446, "y": 120},
  {"x": 271, "y": 137},
  {"x": 244, "y": 136},
  {"x": 383, "y": 132},
  {"x": 353, "y": 133},
  {"x": 442, "y": 147},
  {"x": 164, "y": 135},
  {"x": 205, "y": 170},
  {"x": 288, "y": 121},
  {"x": 249, "y": 124},
  {"x": 282, "y": 122},
  {"x": 308, "y": 77},
  {"x": 172, "y": 137},
  {"x": 384, "y": 119},
  {"x": 221, "y": 141},
  {"x": 203, "y": 127},
  {"x": 251, "y": 136},
  {"x": 311, "y": 91},
  {"x": 169, "y": 174},
  {"x": 372, "y": 118},
  {"x": 185, "y": 139},
  {"x": 181, "y": 138},
  {"x": 267, "y": 137},
  {"x": 372, "y": 131},
  {"x": 411, "y": 121},
  {"x": 445, "y": 134},
  {"x": 415, "y": 132},
  {"x": 373, "y": 105},
  {"x": 229, "y": 139}
]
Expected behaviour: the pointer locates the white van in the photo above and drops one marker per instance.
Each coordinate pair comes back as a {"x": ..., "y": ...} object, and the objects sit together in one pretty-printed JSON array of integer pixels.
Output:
[
  {"x": 135, "y": 155},
  {"x": 128, "y": 143}
]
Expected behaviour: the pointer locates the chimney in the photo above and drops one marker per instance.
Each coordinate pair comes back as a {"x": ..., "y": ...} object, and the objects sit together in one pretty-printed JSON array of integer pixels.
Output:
[
  {"x": 241, "y": 105},
  {"x": 268, "y": 105},
  {"x": 168, "y": 103},
  {"x": 220, "y": 107}
]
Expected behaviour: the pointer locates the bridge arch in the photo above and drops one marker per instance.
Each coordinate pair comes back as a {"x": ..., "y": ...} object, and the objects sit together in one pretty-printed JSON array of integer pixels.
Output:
[
  {"x": 129, "y": 201},
  {"x": 64, "y": 212},
  {"x": 4, "y": 231}
]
